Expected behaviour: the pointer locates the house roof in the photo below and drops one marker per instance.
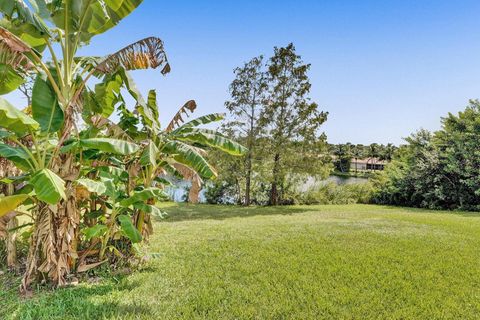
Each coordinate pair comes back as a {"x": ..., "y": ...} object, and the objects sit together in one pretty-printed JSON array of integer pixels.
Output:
[{"x": 368, "y": 161}]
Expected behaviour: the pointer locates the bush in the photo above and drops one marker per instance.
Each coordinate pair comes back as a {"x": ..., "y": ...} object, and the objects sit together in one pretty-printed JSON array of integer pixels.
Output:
[
  {"x": 331, "y": 193},
  {"x": 219, "y": 192},
  {"x": 438, "y": 170}
]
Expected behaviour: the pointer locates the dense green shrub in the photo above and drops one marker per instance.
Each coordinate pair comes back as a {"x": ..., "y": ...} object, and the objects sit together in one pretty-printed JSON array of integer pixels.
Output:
[
  {"x": 331, "y": 193},
  {"x": 439, "y": 170}
]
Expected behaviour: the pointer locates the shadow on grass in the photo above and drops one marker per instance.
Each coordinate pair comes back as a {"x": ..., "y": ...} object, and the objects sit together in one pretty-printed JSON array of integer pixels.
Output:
[
  {"x": 466, "y": 214},
  {"x": 187, "y": 212},
  {"x": 83, "y": 302},
  {"x": 184, "y": 212}
]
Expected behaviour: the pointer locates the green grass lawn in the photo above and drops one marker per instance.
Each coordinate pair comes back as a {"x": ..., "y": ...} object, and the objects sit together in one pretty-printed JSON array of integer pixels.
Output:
[{"x": 315, "y": 262}]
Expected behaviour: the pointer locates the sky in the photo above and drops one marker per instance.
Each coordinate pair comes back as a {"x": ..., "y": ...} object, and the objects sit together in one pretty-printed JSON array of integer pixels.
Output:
[{"x": 382, "y": 69}]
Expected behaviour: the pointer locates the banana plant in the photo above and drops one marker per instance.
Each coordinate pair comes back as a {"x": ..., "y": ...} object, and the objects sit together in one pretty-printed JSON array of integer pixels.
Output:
[
  {"x": 60, "y": 27},
  {"x": 179, "y": 149}
]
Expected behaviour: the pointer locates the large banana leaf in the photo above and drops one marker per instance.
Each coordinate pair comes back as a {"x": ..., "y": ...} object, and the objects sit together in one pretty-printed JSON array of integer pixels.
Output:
[
  {"x": 149, "y": 154},
  {"x": 212, "y": 139},
  {"x": 97, "y": 230},
  {"x": 10, "y": 203},
  {"x": 27, "y": 33},
  {"x": 19, "y": 11},
  {"x": 189, "y": 156},
  {"x": 154, "y": 211},
  {"x": 152, "y": 103},
  {"x": 9, "y": 79},
  {"x": 106, "y": 95},
  {"x": 110, "y": 145},
  {"x": 149, "y": 112},
  {"x": 93, "y": 186},
  {"x": 129, "y": 229},
  {"x": 89, "y": 17},
  {"x": 48, "y": 187},
  {"x": 209, "y": 118},
  {"x": 141, "y": 196},
  {"x": 45, "y": 107},
  {"x": 14, "y": 120},
  {"x": 17, "y": 155}
]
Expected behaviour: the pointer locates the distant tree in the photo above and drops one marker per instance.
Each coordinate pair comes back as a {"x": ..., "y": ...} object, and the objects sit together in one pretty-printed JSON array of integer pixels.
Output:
[
  {"x": 358, "y": 152},
  {"x": 343, "y": 155},
  {"x": 438, "y": 170},
  {"x": 373, "y": 151},
  {"x": 247, "y": 96},
  {"x": 289, "y": 115},
  {"x": 387, "y": 152},
  {"x": 26, "y": 88}
]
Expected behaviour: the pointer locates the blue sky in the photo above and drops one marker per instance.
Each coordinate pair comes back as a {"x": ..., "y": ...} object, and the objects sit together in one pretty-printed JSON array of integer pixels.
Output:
[{"x": 382, "y": 69}]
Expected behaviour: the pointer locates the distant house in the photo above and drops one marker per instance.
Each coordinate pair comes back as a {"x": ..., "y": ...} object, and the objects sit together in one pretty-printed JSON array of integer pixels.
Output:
[{"x": 367, "y": 164}]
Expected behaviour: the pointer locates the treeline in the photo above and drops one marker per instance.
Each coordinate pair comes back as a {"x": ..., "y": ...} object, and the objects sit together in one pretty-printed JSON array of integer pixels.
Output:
[
  {"x": 271, "y": 113},
  {"x": 437, "y": 170},
  {"x": 344, "y": 153}
]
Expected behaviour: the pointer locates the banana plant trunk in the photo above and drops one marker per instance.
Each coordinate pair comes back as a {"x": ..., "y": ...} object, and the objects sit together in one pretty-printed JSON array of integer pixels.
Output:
[
  {"x": 9, "y": 221},
  {"x": 143, "y": 221},
  {"x": 11, "y": 243},
  {"x": 53, "y": 251}
]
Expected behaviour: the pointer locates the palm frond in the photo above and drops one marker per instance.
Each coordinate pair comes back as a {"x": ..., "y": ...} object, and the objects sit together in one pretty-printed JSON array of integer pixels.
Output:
[
  {"x": 177, "y": 119},
  {"x": 144, "y": 54}
]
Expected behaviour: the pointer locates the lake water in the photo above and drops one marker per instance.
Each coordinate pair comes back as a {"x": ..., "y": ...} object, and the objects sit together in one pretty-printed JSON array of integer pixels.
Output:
[{"x": 178, "y": 191}]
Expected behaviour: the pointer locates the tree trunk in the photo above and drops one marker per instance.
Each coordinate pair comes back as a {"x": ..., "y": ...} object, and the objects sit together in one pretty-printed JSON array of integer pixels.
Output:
[
  {"x": 11, "y": 235},
  {"x": 53, "y": 251},
  {"x": 11, "y": 244},
  {"x": 274, "y": 190},
  {"x": 248, "y": 179},
  {"x": 143, "y": 221},
  {"x": 9, "y": 220}
]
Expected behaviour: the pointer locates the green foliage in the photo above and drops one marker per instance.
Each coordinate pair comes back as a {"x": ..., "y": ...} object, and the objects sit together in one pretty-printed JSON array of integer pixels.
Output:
[
  {"x": 144, "y": 195},
  {"x": 332, "y": 193},
  {"x": 45, "y": 107},
  {"x": 48, "y": 186},
  {"x": 344, "y": 153},
  {"x": 220, "y": 192},
  {"x": 129, "y": 229},
  {"x": 212, "y": 139},
  {"x": 97, "y": 230},
  {"x": 188, "y": 155},
  {"x": 87, "y": 18},
  {"x": 437, "y": 170},
  {"x": 9, "y": 79},
  {"x": 95, "y": 177},
  {"x": 14, "y": 120},
  {"x": 15, "y": 154},
  {"x": 273, "y": 116},
  {"x": 93, "y": 186},
  {"x": 10, "y": 203},
  {"x": 110, "y": 145}
]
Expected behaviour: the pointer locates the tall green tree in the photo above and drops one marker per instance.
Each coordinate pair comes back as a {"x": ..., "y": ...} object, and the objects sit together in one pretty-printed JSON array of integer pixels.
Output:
[
  {"x": 247, "y": 93},
  {"x": 290, "y": 117},
  {"x": 343, "y": 154},
  {"x": 437, "y": 170}
]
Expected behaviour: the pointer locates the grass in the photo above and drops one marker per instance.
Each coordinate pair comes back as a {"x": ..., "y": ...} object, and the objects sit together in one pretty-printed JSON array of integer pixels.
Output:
[{"x": 315, "y": 262}]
